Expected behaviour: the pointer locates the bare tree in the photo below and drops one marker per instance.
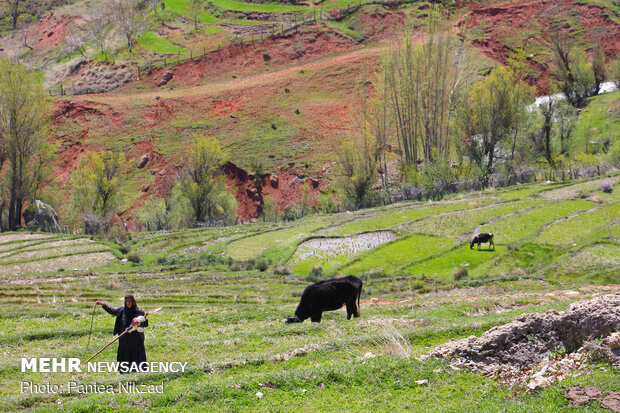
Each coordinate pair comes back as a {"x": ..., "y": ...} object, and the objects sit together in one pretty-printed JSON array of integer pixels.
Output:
[
  {"x": 548, "y": 110},
  {"x": 598, "y": 68},
  {"x": 566, "y": 121},
  {"x": 76, "y": 42},
  {"x": 195, "y": 8},
  {"x": 128, "y": 19},
  {"x": 423, "y": 84},
  {"x": 98, "y": 31},
  {"x": 577, "y": 77},
  {"x": 375, "y": 123}
]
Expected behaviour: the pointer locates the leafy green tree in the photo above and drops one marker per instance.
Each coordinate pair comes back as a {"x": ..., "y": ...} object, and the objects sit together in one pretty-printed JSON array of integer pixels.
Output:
[
  {"x": 97, "y": 184},
  {"x": 270, "y": 209},
  {"x": 492, "y": 110},
  {"x": 23, "y": 106},
  {"x": 357, "y": 173},
  {"x": 203, "y": 183},
  {"x": 14, "y": 9}
]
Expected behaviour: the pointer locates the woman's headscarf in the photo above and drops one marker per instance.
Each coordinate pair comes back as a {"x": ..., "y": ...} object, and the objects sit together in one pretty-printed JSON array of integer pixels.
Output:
[{"x": 129, "y": 313}]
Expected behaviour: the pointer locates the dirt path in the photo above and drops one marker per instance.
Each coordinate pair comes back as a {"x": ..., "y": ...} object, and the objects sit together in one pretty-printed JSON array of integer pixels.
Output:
[{"x": 246, "y": 82}]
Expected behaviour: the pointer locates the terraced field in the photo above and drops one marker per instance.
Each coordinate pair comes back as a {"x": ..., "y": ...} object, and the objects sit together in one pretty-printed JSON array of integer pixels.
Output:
[{"x": 224, "y": 293}]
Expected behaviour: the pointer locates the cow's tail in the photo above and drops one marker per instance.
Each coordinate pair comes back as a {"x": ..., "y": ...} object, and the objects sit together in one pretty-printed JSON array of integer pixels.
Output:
[{"x": 359, "y": 294}]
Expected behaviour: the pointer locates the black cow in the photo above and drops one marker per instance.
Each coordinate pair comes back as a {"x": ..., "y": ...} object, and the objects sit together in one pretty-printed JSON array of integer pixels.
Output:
[
  {"x": 482, "y": 238},
  {"x": 328, "y": 295}
]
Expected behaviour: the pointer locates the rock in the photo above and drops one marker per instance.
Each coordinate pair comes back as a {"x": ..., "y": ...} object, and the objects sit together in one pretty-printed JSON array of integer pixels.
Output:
[
  {"x": 613, "y": 341},
  {"x": 538, "y": 380},
  {"x": 259, "y": 394},
  {"x": 274, "y": 180},
  {"x": 165, "y": 78},
  {"x": 526, "y": 341},
  {"x": 143, "y": 161},
  {"x": 146, "y": 188},
  {"x": 315, "y": 183},
  {"x": 422, "y": 382},
  {"x": 40, "y": 214}
]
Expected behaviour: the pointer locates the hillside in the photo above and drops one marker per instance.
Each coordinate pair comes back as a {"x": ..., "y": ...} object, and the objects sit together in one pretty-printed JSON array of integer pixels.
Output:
[
  {"x": 274, "y": 83},
  {"x": 223, "y": 312}
]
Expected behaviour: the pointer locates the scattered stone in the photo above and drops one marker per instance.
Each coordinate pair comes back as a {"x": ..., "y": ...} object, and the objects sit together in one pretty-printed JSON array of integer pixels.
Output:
[
  {"x": 273, "y": 180},
  {"x": 422, "y": 382},
  {"x": 165, "y": 78},
  {"x": 143, "y": 161},
  {"x": 259, "y": 394}
]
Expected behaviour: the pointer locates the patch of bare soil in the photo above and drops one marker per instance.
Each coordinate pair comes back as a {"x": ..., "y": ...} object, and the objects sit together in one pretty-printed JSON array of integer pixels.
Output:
[
  {"x": 523, "y": 351},
  {"x": 583, "y": 394}
]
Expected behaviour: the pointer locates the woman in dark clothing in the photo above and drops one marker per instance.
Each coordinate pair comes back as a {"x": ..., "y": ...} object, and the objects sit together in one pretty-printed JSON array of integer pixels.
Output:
[{"x": 131, "y": 345}]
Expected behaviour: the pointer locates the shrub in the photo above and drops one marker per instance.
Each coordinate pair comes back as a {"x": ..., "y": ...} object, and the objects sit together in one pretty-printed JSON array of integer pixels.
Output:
[
  {"x": 372, "y": 275},
  {"x": 162, "y": 260},
  {"x": 315, "y": 273},
  {"x": 607, "y": 186},
  {"x": 460, "y": 273},
  {"x": 134, "y": 257},
  {"x": 262, "y": 265},
  {"x": 281, "y": 270},
  {"x": 236, "y": 267}
]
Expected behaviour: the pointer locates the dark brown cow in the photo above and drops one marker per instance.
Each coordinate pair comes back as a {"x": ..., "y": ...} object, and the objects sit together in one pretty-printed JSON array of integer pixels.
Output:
[{"x": 328, "y": 295}]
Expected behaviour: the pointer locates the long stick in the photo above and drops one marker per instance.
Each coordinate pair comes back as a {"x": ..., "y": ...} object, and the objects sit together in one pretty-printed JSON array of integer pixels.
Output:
[
  {"x": 107, "y": 345},
  {"x": 92, "y": 319}
]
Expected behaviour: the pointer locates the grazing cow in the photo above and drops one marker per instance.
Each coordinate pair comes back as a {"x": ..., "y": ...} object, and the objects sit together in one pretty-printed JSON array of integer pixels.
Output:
[
  {"x": 328, "y": 295},
  {"x": 482, "y": 238}
]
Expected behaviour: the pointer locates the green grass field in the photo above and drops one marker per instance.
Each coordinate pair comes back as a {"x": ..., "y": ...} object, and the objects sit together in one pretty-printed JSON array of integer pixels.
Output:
[{"x": 225, "y": 317}]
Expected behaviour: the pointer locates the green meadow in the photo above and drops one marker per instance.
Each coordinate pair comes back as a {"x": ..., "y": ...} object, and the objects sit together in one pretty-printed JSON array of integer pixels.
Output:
[{"x": 224, "y": 294}]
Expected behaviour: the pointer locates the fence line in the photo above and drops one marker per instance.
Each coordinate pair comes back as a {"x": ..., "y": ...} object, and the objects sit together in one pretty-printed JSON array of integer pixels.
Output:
[{"x": 239, "y": 40}]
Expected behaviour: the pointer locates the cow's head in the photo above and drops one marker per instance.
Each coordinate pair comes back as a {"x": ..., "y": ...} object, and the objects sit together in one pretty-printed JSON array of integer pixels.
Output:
[
  {"x": 293, "y": 319},
  {"x": 471, "y": 244}
]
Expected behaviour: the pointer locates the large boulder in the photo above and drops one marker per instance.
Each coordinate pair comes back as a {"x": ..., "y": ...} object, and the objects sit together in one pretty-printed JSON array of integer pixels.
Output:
[
  {"x": 39, "y": 214},
  {"x": 531, "y": 337}
]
